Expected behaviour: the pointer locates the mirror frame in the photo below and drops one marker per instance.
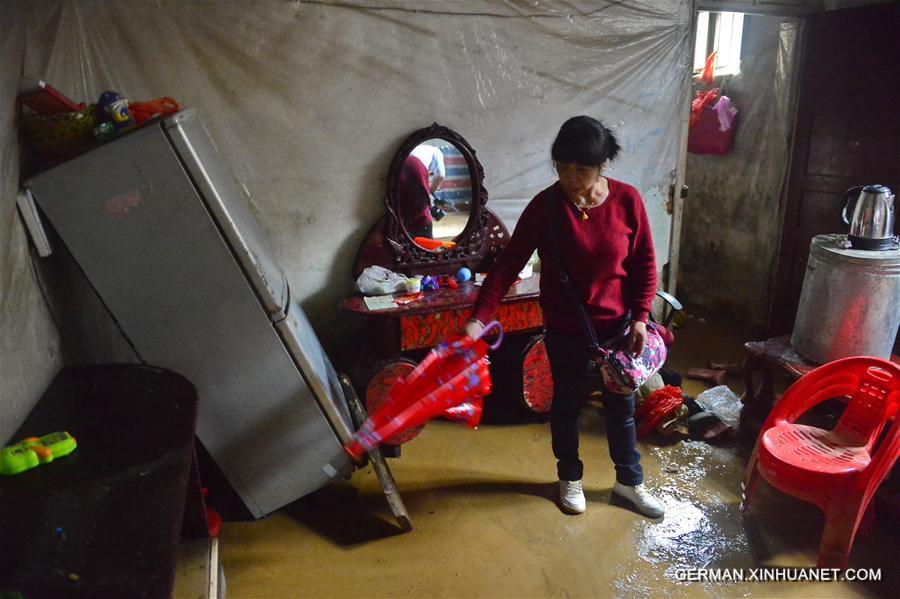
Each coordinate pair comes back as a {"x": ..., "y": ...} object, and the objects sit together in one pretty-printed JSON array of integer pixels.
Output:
[{"x": 471, "y": 239}]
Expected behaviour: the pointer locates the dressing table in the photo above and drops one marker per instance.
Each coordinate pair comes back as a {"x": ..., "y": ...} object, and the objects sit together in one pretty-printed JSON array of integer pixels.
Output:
[
  {"x": 423, "y": 323},
  {"x": 454, "y": 197}
]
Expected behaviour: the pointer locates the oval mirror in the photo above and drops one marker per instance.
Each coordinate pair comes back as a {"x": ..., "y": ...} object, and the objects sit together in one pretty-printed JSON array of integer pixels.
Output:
[
  {"x": 434, "y": 194},
  {"x": 436, "y": 219}
]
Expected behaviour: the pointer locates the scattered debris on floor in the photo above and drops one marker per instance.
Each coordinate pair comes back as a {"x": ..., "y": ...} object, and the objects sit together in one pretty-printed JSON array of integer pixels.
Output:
[
  {"x": 731, "y": 368},
  {"x": 710, "y": 375},
  {"x": 663, "y": 407}
]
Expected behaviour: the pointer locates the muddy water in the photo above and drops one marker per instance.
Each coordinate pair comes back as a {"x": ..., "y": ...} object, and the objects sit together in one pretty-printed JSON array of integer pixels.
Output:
[
  {"x": 483, "y": 504},
  {"x": 486, "y": 525}
]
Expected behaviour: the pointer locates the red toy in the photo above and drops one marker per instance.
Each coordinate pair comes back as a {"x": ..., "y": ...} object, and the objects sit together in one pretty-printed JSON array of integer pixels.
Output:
[
  {"x": 837, "y": 470},
  {"x": 43, "y": 98},
  {"x": 144, "y": 111},
  {"x": 451, "y": 381},
  {"x": 448, "y": 281},
  {"x": 435, "y": 245},
  {"x": 213, "y": 519}
]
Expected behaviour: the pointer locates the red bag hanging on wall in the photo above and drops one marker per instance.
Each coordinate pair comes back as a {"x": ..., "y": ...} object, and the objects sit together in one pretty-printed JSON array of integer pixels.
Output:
[
  {"x": 701, "y": 100},
  {"x": 713, "y": 131},
  {"x": 706, "y": 76}
]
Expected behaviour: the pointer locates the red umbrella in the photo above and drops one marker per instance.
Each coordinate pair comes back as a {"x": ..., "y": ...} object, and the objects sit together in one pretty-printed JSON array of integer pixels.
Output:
[{"x": 451, "y": 381}]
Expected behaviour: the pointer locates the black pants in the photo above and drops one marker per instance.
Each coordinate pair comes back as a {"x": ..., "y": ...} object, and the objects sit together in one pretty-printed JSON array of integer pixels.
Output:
[{"x": 569, "y": 360}]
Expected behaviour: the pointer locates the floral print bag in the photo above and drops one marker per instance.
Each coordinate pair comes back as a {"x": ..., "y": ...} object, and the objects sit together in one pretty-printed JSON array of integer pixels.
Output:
[{"x": 624, "y": 372}]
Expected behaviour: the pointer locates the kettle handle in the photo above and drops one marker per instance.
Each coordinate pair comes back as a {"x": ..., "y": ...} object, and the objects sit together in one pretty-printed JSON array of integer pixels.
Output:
[{"x": 849, "y": 195}]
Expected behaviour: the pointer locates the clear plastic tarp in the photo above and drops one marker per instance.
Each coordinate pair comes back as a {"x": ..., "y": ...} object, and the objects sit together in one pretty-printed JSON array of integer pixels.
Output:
[{"x": 308, "y": 101}]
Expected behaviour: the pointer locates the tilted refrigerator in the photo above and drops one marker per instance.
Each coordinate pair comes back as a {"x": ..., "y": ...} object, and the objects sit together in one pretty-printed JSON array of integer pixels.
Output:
[{"x": 163, "y": 233}]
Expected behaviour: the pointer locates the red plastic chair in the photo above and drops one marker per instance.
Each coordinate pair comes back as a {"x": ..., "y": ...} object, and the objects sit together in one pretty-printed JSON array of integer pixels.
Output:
[{"x": 837, "y": 470}]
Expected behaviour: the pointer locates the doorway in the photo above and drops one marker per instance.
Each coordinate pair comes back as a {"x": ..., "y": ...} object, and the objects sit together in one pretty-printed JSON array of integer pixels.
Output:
[
  {"x": 847, "y": 133},
  {"x": 732, "y": 217}
]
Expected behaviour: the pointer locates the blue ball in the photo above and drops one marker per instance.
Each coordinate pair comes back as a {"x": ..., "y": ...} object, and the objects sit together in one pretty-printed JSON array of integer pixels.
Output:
[{"x": 463, "y": 274}]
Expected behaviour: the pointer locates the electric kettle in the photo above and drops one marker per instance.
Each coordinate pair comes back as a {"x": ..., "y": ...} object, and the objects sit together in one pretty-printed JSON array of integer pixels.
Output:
[{"x": 872, "y": 223}]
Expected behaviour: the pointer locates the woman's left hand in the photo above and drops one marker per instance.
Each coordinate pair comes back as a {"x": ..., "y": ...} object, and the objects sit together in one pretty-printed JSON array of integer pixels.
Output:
[{"x": 637, "y": 337}]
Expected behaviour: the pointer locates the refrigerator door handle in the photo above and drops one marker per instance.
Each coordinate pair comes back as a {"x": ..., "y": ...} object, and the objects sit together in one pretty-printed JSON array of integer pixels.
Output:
[{"x": 32, "y": 218}]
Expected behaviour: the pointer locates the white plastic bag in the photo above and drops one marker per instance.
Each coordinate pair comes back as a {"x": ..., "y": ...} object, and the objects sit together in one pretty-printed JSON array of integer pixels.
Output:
[
  {"x": 726, "y": 111},
  {"x": 722, "y": 402},
  {"x": 376, "y": 280}
]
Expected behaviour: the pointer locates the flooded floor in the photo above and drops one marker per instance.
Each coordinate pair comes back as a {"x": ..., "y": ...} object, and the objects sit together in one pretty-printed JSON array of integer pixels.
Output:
[{"x": 483, "y": 504}]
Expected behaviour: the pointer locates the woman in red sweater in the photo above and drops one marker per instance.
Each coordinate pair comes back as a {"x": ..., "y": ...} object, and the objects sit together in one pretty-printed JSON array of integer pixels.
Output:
[
  {"x": 414, "y": 198},
  {"x": 606, "y": 249}
]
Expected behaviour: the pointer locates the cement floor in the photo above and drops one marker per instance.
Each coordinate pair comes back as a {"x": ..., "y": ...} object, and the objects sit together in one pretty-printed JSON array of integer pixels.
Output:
[{"x": 486, "y": 522}]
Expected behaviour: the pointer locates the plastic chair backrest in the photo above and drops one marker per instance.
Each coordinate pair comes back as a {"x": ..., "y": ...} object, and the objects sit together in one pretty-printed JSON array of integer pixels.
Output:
[
  {"x": 841, "y": 378},
  {"x": 873, "y": 401},
  {"x": 672, "y": 307}
]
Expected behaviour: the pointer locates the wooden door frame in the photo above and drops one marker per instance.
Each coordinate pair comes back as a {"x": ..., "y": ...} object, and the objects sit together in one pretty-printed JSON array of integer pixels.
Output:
[
  {"x": 801, "y": 71},
  {"x": 675, "y": 195}
]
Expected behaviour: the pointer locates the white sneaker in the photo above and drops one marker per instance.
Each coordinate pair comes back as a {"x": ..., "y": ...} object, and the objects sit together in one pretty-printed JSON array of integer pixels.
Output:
[
  {"x": 641, "y": 499},
  {"x": 571, "y": 497}
]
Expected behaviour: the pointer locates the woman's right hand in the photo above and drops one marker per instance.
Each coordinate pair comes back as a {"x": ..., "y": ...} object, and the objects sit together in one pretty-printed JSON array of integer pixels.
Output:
[{"x": 473, "y": 328}]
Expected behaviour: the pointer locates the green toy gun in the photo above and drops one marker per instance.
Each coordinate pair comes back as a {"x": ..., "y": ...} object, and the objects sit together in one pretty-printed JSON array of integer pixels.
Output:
[{"x": 34, "y": 451}]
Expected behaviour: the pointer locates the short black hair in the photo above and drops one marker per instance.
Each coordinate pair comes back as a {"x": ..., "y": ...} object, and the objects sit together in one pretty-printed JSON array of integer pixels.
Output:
[{"x": 585, "y": 141}]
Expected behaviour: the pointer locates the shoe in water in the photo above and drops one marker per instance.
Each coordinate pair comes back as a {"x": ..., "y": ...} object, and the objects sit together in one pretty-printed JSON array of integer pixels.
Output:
[
  {"x": 571, "y": 497},
  {"x": 641, "y": 499}
]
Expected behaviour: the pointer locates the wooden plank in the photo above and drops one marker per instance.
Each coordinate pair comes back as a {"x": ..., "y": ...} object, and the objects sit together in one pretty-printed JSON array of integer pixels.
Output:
[
  {"x": 385, "y": 478},
  {"x": 197, "y": 573},
  {"x": 676, "y": 199}
]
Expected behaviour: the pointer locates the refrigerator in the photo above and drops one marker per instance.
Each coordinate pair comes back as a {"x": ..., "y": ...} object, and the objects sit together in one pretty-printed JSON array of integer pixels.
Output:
[{"x": 164, "y": 235}]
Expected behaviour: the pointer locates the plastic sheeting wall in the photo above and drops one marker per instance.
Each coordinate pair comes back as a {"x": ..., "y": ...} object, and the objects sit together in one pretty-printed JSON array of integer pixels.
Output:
[
  {"x": 308, "y": 101},
  {"x": 29, "y": 342},
  {"x": 733, "y": 216}
]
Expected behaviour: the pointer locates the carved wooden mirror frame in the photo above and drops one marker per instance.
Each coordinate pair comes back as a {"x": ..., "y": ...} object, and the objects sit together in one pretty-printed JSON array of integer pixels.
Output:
[
  {"x": 472, "y": 235},
  {"x": 388, "y": 244}
]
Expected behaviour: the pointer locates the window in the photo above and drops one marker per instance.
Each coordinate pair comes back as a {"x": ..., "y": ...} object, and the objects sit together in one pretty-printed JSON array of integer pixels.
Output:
[{"x": 719, "y": 32}]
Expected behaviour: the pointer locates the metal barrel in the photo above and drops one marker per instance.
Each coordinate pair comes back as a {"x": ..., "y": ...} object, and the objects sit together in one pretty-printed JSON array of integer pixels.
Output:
[{"x": 850, "y": 302}]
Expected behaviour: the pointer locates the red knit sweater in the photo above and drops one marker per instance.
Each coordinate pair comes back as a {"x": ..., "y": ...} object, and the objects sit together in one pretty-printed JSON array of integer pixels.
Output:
[{"x": 608, "y": 257}]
